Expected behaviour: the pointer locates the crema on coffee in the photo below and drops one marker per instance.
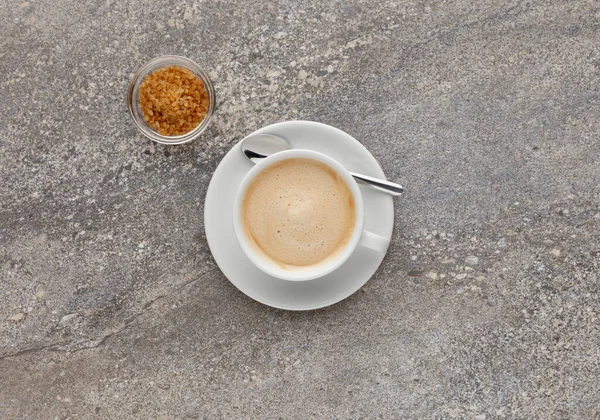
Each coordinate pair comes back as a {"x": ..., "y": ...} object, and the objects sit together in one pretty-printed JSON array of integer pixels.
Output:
[{"x": 298, "y": 212}]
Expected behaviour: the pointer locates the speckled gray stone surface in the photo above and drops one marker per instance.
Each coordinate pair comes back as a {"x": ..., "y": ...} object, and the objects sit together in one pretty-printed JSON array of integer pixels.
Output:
[{"x": 487, "y": 305}]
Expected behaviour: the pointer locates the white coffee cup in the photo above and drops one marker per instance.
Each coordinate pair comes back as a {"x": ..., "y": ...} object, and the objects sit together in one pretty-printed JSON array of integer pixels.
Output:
[{"x": 359, "y": 235}]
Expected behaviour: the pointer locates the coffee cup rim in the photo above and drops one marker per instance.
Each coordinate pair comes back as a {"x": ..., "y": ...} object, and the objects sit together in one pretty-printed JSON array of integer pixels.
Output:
[{"x": 318, "y": 270}]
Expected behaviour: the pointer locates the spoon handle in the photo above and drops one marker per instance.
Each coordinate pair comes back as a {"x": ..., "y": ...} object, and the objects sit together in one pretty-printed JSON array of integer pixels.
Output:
[{"x": 379, "y": 184}]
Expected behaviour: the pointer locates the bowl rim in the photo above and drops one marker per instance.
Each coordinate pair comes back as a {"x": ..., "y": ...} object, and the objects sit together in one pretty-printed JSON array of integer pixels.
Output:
[{"x": 164, "y": 61}]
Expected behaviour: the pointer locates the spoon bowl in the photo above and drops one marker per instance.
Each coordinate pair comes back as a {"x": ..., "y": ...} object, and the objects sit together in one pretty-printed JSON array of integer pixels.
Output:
[{"x": 259, "y": 146}]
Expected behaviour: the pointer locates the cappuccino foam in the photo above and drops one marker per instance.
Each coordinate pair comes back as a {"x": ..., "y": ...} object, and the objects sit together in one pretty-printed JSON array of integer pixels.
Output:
[{"x": 298, "y": 212}]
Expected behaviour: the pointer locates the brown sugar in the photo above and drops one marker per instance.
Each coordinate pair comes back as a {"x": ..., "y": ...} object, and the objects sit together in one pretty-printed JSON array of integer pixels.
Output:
[{"x": 173, "y": 100}]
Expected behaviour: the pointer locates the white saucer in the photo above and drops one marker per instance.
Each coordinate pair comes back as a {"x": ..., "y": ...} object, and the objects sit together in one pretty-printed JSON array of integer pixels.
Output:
[{"x": 305, "y": 295}]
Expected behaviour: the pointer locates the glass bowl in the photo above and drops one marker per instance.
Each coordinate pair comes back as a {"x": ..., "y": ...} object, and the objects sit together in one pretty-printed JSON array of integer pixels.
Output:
[{"x": 134, "y": 104}]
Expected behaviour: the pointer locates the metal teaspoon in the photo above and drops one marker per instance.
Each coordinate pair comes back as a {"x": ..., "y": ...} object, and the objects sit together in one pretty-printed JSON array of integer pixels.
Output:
[{"x": 259, "y": 146}]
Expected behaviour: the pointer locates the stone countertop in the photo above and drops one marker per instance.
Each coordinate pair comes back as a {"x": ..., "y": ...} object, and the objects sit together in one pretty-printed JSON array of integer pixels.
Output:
[{"x": 487, "y": 304}]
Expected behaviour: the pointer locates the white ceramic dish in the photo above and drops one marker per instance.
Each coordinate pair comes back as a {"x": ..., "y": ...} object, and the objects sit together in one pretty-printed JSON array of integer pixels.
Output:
[
  {"x": 293, "y": 295},
  {"x": 360, "y": 237}
]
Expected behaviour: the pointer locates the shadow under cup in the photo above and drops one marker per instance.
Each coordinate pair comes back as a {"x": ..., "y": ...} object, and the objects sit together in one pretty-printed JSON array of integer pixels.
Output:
[{"x": 298, "y": 273}]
